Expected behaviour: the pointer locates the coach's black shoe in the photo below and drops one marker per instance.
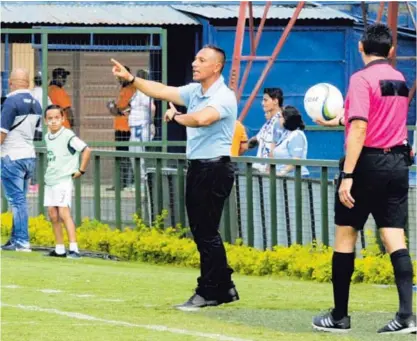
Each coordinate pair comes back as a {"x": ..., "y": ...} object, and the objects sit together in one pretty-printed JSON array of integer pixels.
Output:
[
  {"x": 327, "y": 323},
  {"x": 231, "y": 296},
  {"x": 400, "y": 326},
  {"x": 196, "y": 302},
  {"x": 54, "y": 254}
]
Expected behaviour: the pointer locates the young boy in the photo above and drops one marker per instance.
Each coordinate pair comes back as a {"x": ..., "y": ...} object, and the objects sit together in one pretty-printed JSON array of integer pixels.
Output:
[{"x": 63, "y": 149}]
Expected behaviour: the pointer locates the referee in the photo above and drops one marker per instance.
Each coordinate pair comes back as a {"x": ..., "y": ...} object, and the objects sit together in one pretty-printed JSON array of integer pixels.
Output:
[
  {"x": 373, "y": 179},
  {"x": 210, "y": 120}
]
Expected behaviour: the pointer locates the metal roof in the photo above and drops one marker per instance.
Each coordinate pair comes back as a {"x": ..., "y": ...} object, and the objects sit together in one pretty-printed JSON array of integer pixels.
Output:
[
  {"x": 93, "y": 14},
  {"x": 275, "y": 12}
]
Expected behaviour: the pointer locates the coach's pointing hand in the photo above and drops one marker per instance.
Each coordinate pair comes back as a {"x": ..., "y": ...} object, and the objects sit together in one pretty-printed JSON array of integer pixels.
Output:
[
  {"x": 171, "y": 112},
  {"x": 120, "y": 71}
]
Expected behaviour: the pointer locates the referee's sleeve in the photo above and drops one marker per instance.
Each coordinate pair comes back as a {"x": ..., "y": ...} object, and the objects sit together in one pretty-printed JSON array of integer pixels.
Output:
[
  {"x": 359, "y": 98},
  {"x": 8, "y": 115}
]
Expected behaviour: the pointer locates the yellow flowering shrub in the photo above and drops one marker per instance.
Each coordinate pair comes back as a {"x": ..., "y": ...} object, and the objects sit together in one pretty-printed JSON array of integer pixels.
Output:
[{"x": 169, "y": 246}]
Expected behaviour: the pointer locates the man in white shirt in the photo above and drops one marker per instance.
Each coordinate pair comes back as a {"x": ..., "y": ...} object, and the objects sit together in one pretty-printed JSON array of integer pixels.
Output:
[
  {"x": 20, "y": 116},
  {"x": 272, "y": 102}
]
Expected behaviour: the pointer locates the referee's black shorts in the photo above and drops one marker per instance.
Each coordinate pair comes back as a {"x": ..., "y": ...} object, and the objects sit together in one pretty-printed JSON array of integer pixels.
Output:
[{"x": 380, "y": 187}]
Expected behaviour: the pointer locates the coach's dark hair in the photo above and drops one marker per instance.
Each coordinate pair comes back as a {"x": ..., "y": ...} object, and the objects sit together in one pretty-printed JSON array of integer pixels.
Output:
[
  {"x": 292, "y": 118},
  {"x": 377, "y": 40},
  {"x": 275, "y": 93},
  {"x": 218, "y": 50},
  {"x": 52, "y": 107}
]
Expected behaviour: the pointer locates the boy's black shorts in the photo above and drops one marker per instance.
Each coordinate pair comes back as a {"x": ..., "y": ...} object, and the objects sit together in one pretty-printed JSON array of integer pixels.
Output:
[{"x": 380, "y": 187}]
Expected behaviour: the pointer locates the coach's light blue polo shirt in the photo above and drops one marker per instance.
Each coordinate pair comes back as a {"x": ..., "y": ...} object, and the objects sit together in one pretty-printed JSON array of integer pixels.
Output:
[{"x": 216, "y": 139}]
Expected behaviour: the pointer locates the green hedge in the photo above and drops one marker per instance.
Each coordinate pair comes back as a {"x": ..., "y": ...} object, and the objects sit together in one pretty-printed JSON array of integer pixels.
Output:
[{"x": 168, "y": 246}]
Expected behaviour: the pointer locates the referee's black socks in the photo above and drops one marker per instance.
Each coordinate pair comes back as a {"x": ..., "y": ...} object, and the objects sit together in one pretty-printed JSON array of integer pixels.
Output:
[
  {"x": 342, "y": 270},
  {"x": 403, "y": 271}
]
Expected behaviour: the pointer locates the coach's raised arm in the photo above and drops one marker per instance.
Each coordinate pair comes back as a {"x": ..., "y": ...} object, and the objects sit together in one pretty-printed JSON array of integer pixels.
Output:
[{"x": 150, "y": 88}]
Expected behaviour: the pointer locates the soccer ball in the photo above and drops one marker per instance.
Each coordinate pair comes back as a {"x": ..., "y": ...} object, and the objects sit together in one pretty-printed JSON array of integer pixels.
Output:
[{"x": 323, "y": 101}]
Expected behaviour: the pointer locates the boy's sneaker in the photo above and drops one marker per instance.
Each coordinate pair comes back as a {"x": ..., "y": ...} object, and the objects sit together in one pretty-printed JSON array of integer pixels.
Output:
[
  {"x": 400, "y": 326},
  {"x": 73, "y": 255},
  {"x": 327, "y": 323},
  {"x": 54, "y": 254}
]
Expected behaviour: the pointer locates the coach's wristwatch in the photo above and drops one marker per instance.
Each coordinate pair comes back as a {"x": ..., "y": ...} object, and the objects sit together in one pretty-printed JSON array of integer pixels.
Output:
[{"x": 344, "y": 175}]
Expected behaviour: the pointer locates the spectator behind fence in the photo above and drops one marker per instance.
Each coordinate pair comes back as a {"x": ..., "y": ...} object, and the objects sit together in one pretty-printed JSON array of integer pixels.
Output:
[
  {"x": 37, "y": 91},
  {"x": 141, "y": 118},
  {"x": 272, "y": 102},
  {"x": 20, "y": 115},
  {"x": 59, "y": 96},
  {"x": 240, "y": 140},
  {"x": 290, "y": 142},
  {"x": 121, "y": 110}
]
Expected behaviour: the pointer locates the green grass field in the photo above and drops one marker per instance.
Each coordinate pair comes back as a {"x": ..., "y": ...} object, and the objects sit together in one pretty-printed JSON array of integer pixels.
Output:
[{"x": 46, "y": 299}]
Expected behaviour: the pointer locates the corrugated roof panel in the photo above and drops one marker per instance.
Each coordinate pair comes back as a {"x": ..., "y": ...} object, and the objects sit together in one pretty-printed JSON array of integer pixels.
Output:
[
  {"x": 275, "y": 12},
  {"x": 110, "y": 14}
]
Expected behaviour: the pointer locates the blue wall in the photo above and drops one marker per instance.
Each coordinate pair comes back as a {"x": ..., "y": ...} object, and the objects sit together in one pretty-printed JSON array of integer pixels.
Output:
[{"x": 310, "y": 55}]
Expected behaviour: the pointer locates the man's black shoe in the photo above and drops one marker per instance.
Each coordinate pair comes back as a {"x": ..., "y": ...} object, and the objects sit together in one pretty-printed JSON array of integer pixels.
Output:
[
  {"x": 8, "y": 243},
  {"x": 196, "y": 302},
  {"x": 231, "y": 296}
]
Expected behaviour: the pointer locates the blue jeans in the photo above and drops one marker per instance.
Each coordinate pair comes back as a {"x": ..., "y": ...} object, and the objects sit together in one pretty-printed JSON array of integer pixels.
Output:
[{"x": 15, "y": 175}]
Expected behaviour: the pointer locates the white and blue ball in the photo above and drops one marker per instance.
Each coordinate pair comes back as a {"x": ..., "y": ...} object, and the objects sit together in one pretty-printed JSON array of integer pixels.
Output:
[{"x": 323, "y": 101}]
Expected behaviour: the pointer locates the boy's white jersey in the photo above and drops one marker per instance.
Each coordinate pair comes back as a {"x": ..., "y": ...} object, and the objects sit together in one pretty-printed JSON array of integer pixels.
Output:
[{"x": 63, "y": 154}]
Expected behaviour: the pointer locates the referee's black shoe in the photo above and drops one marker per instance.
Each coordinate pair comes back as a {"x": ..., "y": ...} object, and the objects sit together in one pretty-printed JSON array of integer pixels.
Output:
[
  {"x": 400, "y": 326},
  {"x": 327, "y": 323}
]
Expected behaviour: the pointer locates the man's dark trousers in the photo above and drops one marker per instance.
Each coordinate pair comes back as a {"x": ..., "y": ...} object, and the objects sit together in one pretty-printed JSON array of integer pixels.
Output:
[{"x": 209, "y": 183}]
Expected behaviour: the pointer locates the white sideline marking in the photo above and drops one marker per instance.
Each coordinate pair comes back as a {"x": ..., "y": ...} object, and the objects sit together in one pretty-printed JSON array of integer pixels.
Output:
[
  {"x": 159, "y": 328},
  {"x": 40, "y": 323},
  {"x": 50, "y": 291},
  {"x": 12, "y": 286},
  {"x": 112, "y": 300}
]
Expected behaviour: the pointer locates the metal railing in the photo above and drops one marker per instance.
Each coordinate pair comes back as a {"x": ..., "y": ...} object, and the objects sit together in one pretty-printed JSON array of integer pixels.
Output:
[{"x": 264, "y": 209}]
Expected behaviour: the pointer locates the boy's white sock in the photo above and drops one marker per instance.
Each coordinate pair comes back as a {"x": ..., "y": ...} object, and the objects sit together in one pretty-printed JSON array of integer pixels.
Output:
[
  {"x": 60, "y": 249},
  {"x": 73, "y": 247}
]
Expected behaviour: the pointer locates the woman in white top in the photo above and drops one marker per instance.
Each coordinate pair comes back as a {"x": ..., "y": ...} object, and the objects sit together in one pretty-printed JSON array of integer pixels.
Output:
[{"x": 290, "y": 142}]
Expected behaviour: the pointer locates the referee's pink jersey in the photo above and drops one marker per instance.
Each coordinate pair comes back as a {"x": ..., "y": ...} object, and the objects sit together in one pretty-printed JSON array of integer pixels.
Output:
[{"x": 378, "y": 94}]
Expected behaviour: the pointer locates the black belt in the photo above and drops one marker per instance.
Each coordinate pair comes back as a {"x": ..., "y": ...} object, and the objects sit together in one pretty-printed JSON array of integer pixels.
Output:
[
  {"x": 200, "y": 162},
  {"x": 393, "y": 150}
]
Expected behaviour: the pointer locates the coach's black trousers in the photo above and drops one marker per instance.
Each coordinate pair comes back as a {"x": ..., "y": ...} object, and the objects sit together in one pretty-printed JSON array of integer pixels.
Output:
[{"x": 209, "y": 183}]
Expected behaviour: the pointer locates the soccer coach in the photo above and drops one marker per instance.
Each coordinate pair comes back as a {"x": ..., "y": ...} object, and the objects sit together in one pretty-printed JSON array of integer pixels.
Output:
[
  {"x": 373, "y": 180},
  {"x": 210, "y": 120}
]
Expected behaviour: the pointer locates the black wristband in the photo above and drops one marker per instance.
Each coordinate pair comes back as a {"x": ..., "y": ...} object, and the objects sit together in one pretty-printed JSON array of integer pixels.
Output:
[
  {"x": 340, "y": 121},
  {"x": 132, "y": 81},
  {"x": 82, "y": 172}
]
